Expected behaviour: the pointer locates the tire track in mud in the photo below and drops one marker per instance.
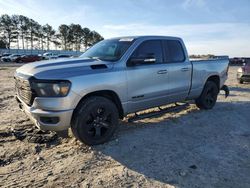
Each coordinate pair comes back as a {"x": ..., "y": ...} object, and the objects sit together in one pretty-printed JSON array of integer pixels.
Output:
[
  {"x": 35, "y": 179},
  {"x": 6, "y": 98}
]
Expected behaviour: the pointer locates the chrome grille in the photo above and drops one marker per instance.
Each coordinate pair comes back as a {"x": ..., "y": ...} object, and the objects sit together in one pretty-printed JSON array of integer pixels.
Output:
[{"x": 24, "y": 91}]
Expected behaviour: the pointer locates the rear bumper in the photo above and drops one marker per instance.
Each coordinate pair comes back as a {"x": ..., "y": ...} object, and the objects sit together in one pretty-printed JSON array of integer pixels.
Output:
[{"x": 47, "y": 120}]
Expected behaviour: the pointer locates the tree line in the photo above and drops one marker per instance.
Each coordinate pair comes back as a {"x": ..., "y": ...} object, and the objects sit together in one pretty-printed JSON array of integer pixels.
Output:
[{"x": 24, "y": 33}]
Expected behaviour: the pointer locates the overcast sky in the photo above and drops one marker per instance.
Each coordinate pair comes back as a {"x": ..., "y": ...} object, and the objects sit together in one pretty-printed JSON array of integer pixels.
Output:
[{"x": 220, "y": 27}]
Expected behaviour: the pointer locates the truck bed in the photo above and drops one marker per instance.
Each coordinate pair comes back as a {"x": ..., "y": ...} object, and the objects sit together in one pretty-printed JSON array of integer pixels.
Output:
[{"x": 204, "y": 68}]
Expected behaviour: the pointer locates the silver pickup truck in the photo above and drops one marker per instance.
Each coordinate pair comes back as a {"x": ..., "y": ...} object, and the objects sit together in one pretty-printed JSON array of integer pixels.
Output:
[{"x": 113, "y": 78}]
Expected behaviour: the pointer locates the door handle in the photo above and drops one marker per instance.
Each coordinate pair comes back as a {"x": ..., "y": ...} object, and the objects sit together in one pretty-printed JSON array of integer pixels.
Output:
[
  {"x": 185, "y": 69},
  {"x": 162, "y": 72}
]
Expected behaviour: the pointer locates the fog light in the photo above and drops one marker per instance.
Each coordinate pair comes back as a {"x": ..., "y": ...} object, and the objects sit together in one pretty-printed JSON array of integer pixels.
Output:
[{"x": 49, "y": 120}]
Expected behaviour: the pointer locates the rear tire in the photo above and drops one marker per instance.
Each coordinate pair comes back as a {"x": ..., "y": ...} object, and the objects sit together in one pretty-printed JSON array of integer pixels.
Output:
[
  {"x": 241, "y": 81},
  {"x": 95, "y": 120},
  {"x": 208, "y": 97}
]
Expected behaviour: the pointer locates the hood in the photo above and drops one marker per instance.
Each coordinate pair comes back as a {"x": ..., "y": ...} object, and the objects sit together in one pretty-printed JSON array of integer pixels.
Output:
[{"x": 63, "y": 68}]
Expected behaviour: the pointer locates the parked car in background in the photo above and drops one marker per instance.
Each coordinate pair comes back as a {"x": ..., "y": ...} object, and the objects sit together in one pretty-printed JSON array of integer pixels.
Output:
[
  {"x": 10, "y": 58},
  {"x": 49, "y": 55},
  {"x": 243, "y": 73},
  {"x": 28, "y": 58},
  {"x": 4, "y": 55},
  {"x": 239, "y": 60}
]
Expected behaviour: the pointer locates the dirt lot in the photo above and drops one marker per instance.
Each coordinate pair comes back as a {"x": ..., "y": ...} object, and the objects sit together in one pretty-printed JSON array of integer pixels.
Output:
[{"x": 189, "y": 148}]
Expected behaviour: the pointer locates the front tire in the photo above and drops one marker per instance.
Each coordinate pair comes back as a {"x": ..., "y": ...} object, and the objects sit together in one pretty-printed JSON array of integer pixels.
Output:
[
  {"x": 95, "y": 120},
  {"x": 208, "y": 97}
]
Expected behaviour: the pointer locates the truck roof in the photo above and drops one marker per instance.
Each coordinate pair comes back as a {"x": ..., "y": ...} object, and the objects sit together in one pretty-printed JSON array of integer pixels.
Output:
[{"x": 148, "y": 37}]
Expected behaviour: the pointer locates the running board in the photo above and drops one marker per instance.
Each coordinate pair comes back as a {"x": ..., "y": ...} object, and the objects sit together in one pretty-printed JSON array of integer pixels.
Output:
[{"x": 176, "y": 108}]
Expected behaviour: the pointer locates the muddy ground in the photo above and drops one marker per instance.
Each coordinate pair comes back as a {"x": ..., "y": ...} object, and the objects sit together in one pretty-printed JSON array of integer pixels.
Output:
[{"x": 187, "y": 148}]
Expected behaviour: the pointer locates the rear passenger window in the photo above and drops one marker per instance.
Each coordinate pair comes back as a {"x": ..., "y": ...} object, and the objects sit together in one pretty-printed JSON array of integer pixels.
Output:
[
  {"x": 174, "y": 51},
  {"x": 149, "y": 49}
]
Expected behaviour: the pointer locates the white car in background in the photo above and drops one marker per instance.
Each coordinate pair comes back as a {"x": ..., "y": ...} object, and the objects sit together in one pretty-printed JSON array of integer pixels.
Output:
[
  {"x": 10, "y": 58},
  {"x": 49, "y": 55}
]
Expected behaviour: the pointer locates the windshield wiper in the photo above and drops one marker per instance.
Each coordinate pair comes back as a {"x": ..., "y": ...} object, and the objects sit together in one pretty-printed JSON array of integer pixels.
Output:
[
  {"x": 96, "y": 58},
  {"x": 102, "y": 58}
]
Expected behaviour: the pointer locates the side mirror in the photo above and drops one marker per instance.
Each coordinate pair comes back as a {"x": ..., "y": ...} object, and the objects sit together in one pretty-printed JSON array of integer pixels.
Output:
[
  {"x": 144, "y": 60},
  {"x": 150, "y": 60},
  {"x": 134, "y": 61}
]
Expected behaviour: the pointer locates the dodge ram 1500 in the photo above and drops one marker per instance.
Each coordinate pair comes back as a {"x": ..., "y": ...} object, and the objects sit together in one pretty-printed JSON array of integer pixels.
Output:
[{"x": 113, "y": 78}]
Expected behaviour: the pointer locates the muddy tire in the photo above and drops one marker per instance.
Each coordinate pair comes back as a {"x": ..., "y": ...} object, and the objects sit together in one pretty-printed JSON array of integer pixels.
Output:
[
  {"x": 208, "y": 97},
  {"x": 95, "y": 120}
]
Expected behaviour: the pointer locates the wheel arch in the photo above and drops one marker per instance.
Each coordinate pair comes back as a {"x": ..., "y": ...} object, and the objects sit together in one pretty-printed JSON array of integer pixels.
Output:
[
  {"x": 215, "y": 79},
  {"x": 109, "y": 94}
]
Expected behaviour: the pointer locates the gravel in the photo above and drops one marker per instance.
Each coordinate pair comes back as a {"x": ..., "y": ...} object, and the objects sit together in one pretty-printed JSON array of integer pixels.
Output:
[{"x": 187, "y": 148}]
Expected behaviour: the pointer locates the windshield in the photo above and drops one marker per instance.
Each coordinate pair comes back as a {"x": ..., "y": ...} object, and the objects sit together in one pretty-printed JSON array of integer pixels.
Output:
[{"x": 109, "y": 50}]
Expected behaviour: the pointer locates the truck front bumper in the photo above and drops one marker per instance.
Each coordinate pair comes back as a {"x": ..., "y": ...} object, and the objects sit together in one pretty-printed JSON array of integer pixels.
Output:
[{"x": 47, "y": 119}]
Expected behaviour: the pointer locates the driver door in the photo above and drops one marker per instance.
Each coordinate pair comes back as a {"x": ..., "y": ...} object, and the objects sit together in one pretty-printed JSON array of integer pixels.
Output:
[{"x": 147, "y": 79}]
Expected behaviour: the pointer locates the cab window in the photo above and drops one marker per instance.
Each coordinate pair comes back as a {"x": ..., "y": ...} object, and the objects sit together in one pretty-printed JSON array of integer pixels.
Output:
[
  {"x": 174, "y": 51},
  {"x": 151, "y": 49}
]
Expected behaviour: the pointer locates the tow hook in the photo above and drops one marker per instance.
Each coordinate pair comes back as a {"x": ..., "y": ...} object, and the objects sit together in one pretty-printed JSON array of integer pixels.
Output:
[
  {"x": 226, "y": 89},
  {"x": 21, "y": 107}
]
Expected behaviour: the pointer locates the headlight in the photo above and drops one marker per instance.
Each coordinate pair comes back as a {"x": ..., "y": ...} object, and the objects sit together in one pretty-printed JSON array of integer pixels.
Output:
[{"x": 51, "y": 88}]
